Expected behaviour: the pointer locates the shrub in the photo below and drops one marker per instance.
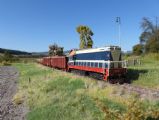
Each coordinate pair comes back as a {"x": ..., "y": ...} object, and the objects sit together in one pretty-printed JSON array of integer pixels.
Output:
[
  {"x": 7, "y": 57},
  {"x": 138, "y": 49},
  {"x": 18, "y": 99},
  {"x": 5, "y": 63},
  {"x": 135, "y": 111}
]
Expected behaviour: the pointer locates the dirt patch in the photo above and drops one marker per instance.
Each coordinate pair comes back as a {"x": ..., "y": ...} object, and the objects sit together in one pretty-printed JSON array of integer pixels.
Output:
[{"x": 8, "y": 86}]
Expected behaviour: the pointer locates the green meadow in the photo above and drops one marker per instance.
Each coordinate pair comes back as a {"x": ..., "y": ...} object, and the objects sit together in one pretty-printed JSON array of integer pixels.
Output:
[{"x": 56, "y": 95}]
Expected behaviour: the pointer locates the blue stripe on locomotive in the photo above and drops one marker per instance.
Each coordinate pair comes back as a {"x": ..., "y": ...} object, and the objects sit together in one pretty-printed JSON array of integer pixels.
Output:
[{"x": 104, "y": 55}]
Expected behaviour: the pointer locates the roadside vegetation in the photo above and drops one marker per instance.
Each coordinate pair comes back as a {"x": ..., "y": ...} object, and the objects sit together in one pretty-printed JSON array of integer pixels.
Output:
[{"x": 52, "y": 94}]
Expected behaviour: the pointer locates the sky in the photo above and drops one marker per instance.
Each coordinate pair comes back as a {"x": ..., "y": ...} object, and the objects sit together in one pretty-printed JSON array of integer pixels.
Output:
[{"x": 32, "y": 25}]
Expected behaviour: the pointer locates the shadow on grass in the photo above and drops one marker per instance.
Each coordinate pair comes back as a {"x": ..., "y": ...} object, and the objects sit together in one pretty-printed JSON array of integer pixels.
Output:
[{"x": 133, "y": 74}]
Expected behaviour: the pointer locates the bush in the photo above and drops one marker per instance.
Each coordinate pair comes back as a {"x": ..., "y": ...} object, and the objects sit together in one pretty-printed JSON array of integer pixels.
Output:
[
  {"x": 135, "y": 111},
  {"x": 18, "y": 99},
  {"x": 5, "y": 63},
  {"x": 138, "y": 49},
  {"x": 7, "y": 57}
]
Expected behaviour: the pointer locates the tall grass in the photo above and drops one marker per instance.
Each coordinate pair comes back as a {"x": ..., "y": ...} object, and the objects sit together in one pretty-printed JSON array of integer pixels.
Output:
[{"x": 56, "y": 95}]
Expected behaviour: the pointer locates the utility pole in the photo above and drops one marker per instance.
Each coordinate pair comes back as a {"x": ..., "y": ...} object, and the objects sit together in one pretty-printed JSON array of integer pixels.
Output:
[{"x": 118, "y": 21}]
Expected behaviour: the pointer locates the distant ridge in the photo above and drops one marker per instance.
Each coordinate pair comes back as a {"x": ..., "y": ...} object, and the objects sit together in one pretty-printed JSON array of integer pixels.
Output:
[
  {"x": 24, "y": 53},
  {"x": 40, "y": 53},
  {"x": 14, "y": 52}
]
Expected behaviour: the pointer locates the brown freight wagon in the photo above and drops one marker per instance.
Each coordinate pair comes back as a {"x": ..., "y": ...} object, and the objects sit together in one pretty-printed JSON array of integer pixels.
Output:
[
  {"x": 59, "y": 62},
  {"x": 46, "y": 61}
]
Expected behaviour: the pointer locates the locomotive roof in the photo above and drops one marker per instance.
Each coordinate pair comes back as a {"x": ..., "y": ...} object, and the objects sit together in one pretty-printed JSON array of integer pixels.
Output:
[{"x": 107, "y": 48}]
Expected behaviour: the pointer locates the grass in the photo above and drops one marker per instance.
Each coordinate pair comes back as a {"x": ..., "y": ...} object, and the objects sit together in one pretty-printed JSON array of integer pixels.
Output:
[
  {"x": 146, "y": 74},
  {"x": 52, "y": 94}
]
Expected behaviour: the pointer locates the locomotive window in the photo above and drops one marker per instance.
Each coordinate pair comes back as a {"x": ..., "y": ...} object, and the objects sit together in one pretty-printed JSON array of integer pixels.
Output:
[
  {"x": 88, "y": 64},
  {"x": 91, "y": 64},
  {"x": 96, "y": 64},
  {"x": 83, "y": 63},
  {"x": 106, "y": 65},
  {"x": 100, "y": 65}
]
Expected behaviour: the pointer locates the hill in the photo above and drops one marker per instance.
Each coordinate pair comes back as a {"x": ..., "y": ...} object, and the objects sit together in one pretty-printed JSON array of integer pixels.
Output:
[
  {"x": 24, "y": 53},
  {"x": 14, "y": 52}
]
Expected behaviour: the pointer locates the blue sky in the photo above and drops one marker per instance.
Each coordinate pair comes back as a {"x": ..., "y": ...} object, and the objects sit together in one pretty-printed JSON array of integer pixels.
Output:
[{"x": 32, "y": 25}]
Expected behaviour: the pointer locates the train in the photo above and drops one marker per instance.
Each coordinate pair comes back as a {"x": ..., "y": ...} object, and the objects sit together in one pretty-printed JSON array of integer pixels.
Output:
[{"x": 105, "y": 62}]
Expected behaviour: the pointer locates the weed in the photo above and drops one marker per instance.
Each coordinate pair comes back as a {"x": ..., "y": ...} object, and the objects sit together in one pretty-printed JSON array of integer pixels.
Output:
[{"x": 18, "y": 99}]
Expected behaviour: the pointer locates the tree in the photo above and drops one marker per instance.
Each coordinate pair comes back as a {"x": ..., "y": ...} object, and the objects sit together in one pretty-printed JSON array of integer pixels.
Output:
[
  {"x": 138, "y": 49},
  {"x": 55, "y": 50},
  {"x": 152, "y": 45},
  {"x": 7, "y": 57},
  {"x": 150, "y": 36},
  {"x": 85, "y": 36}
]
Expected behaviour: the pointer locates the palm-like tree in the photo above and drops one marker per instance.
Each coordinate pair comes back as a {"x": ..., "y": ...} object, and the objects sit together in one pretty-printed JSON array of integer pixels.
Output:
[{"x": 85, "y": 36}]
